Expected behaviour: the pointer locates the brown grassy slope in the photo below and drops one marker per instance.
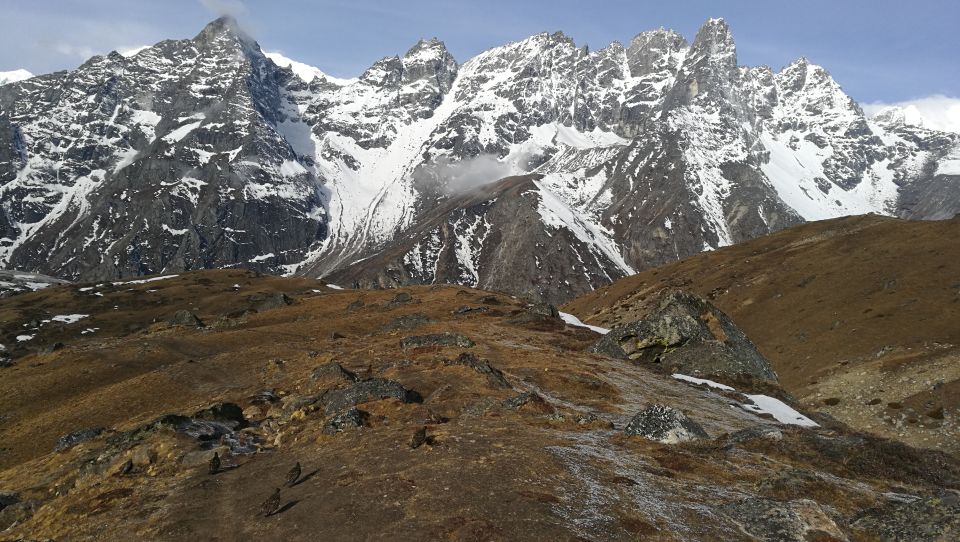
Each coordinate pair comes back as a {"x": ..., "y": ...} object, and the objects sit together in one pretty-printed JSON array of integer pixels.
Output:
[
  {"x": 550, "y": 469},
  {"x": 860, "y": 316}
]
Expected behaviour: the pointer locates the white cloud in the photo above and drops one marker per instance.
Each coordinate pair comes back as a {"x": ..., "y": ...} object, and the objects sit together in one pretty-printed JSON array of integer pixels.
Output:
[
  {"x": 78, "y": 51},
  {"x": 233, "y": 8},
  {"x": 935, "y": 112}
]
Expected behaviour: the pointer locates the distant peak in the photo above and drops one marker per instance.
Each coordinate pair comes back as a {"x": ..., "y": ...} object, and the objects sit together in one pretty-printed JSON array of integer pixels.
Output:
[{"x": 432, "y": 45}]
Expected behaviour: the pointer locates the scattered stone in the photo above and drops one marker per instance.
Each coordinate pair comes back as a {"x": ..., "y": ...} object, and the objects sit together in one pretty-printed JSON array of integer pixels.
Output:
[
  {"x": 932, "y": 517},
  {"x": 332, "y": 372},
  {"x": 365, "y": 391},
  {"x": 664, "y": 424},
  {"x": 467, "y": 309},
  {"x": 265, "y": 397},
  {"x": 436, "y": 339},
  {"x": 402, "y": 298},
  {"x": 490, "y": 300},
  {"x": 15, "y": 513},
  {"x": 72, "y": 439},
  {"x": 263, "y": 303},
  {"x": 799, "y": 520},
  {"x": 227, "y": 413},
  {"x": 540, "y": 317},
  {"x": 691, "y": 336},
  {"x": 529, "y": 399},
  {"x": 8, "y": 498},
  {"x": 51, "y": 348},
  {"x": 407, "y": 321},
  {"x": 185, "y": 318},
  {"x": 6, "y": 362},
  {"x": 125, "y": 468},
  {"x": 760, "y": 432},
  {"x": 419, "y": 438},
  {"x": 350, "y": 418},
  {"x": 494, "y": 375}
]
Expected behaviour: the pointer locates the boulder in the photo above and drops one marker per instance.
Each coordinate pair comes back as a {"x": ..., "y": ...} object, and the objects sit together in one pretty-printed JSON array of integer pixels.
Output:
[
  {"x": 664, "y": 424},
  {"x": 72, "y": 439},
  {"x": 227, "y": 413},
  {"x": 407, "y": 321},
  {"x": 689, "y": 335},
  {"x": 332, "y": 372},
  {"x": 185, "y": 318},
  {"x": 368, "y": 390},
  {"x": 482, "y": 366},
  {"x": 262, "y": 303},
  {"x": 540, "y": 317},
  {"x": 7, "y": 498},
  {"x": 350, "y": 418},
  {"x": 436, "y": 339}
]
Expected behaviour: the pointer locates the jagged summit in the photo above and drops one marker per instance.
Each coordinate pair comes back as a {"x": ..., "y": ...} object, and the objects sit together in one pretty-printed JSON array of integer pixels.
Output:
[{"x": 205, "y": 153}]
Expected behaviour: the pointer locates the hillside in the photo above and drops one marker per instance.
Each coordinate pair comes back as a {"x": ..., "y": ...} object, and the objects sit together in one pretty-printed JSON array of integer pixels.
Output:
[
  {"x": 423, "y": 413},
  {"x": 859, "y": 316}
]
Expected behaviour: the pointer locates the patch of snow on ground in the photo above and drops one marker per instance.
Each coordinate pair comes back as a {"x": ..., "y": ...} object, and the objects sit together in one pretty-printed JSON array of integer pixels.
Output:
[
  {"x": 696, "y": 380},
  {"x": 574, "y": 321},
  {"x": 262, "y": 257},
  {"x": 69, "y": 318},
  {"x": 763, "y": 404},
  {"x": 24, "y": 338},
  {"x": 144, "y": 281},
  {"x": 334, "y": 286}
]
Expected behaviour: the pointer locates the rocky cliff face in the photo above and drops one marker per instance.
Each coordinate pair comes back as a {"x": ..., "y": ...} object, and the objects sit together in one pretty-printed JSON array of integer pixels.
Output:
[{"x": 203, "y": 153}]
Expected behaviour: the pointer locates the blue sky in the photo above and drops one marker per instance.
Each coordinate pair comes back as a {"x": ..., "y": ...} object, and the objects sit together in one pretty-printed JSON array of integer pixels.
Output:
[{"x": 879, "y": 50}]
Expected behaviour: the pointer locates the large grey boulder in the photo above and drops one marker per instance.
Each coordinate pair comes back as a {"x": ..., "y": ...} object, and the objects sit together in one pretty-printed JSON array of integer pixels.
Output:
[
  {"x": 690, "y": 335},
  {"x": 664, "y": 424}
]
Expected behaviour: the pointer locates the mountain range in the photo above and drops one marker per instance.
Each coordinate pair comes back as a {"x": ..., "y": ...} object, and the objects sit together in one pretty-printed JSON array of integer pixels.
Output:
[{"x": 539, "y": 168}]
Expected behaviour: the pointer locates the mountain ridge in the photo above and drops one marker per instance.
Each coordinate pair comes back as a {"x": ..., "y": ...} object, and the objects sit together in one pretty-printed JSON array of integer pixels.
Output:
[{"x": 654, "y": 151}]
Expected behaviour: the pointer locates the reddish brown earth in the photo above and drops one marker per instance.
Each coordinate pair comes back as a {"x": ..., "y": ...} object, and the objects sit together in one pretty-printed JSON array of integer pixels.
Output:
[
  {"x": 859, "y": 316},
  {"x": 556, "y": 467}
]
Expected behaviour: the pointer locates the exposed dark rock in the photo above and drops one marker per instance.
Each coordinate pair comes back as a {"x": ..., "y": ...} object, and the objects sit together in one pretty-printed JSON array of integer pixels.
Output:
[
  {"x": 664, "y": 424},
  {"x": 265, "y": 397},
  {"x": 929, "y": 518},
  {"x": 185, "y": 318},
  {"x": 332, "y": 372},
  {"x": 436, "y": 339},
  {"x": 51, "y": 348},
  {"x": 490, "y": 300},
  {"x": 72, "y": 439},
  {"x": 401, "y": 298},
  {"x": 539, "y": 316},
  {"x": 419, "y": 438},
  {"x": 228, "y": 413},
  {"x": 7, "y": 498},
  {"x": 467, "y": 309},
  {"x": 529, "y": 400},
  {"x": 482, "y": 366},
  {"x": 6, "y": 362},
  {"x": 800, "y": 520},
  {"x": 759, "y": 432},
  {"x": 688, "y": 334},
  {"x": 15, "y": 513},
  {"x": 350, "y": 418},
  {"x": 270, "y": 302},
  {"x": 407, "y": 321},
  {"x": 368, "y": 390}
]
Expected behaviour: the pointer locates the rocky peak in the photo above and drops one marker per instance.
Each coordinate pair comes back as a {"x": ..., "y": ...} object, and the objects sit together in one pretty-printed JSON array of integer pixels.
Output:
[
  {"x": 429, "y": 60},
  {"x": 654, "y": 51}
]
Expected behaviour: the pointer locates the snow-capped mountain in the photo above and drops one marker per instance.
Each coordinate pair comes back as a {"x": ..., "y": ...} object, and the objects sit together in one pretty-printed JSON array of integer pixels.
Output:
[
  {"x": 206, "y": 152},
  {"x": 14, "y": 76}
]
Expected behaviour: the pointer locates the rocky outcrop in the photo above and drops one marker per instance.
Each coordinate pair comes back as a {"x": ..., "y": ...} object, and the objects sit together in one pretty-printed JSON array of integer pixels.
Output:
[{"x": 689, "y": 335}]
